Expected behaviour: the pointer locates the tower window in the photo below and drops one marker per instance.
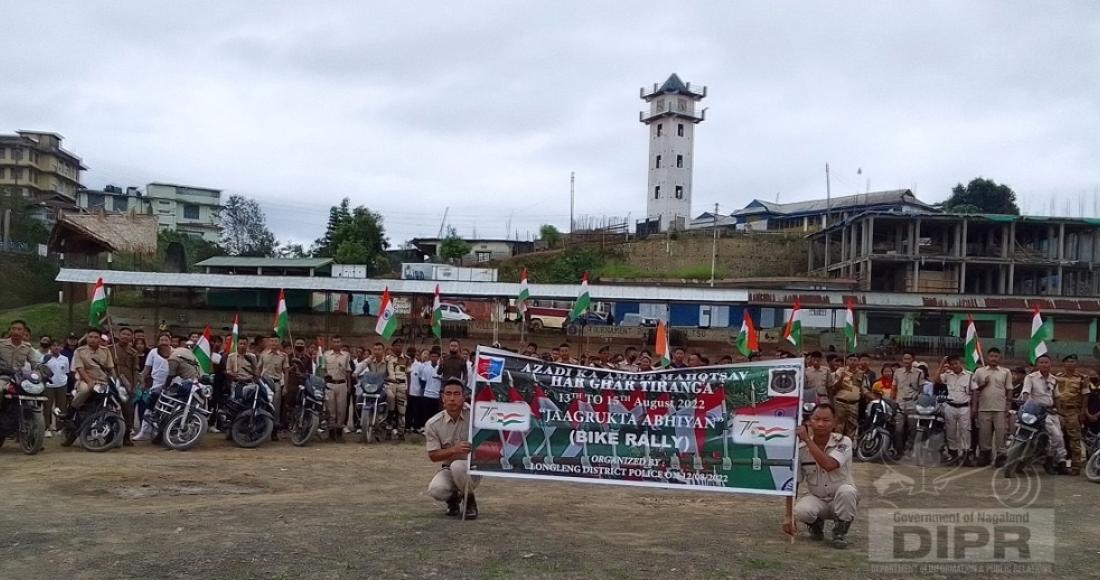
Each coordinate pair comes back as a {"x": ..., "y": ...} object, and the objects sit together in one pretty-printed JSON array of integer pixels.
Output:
[
  {"x": 679, "y": 161},
  {"x": 682, "y": 104},
  {"x": 658, "y": 163},
  {"x": 680, "y": 129},
  {"x": 660, "y": 128},
  {"x": 679, "y": 192},
  {"x": 657, "y": 192},
  {"x": 660, "y": 104}
]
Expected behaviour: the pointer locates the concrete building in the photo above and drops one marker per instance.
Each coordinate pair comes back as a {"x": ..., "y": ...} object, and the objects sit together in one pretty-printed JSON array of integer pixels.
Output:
[
  {"x": 195, "y": 211},
  {"x": 808, "y": 216},
  {"x": 962, "y": 254},
  {"x": 671, "y": 121},
  {"x": 266, "y": 266},
  {"x": 111, "y": 199},
  {"x": 481, "y": 250},
  {"x": 34, "y": 166}
]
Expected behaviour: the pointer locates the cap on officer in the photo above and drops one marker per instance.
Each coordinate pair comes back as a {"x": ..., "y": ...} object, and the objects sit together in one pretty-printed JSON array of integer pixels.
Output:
[{"x": 1069, "y": 357}]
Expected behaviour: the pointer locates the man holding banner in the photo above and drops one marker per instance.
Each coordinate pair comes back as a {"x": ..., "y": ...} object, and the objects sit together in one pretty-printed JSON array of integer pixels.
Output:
[
  {"x": 448, "y": 442},
  {"x": 826, "y": 468}
]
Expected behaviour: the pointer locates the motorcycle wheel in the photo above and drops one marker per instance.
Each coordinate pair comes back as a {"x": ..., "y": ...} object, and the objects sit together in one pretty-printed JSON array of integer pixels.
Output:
[
  {"x": 1092, "y": 468},
  {"x": 34, "y": 434},
  {"x": 305, "y": 425},
  {"x": 102, "y": 432},
  {"x": 1014, "y": 458},
  {"x": 250, "y": 431},
  {"x": 182, "y": 435},
  {"x": 869, "y": 448}
]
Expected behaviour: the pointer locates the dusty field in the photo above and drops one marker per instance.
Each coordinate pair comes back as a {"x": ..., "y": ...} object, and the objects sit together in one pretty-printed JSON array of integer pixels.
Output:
[{"x": 351, "y": 511}]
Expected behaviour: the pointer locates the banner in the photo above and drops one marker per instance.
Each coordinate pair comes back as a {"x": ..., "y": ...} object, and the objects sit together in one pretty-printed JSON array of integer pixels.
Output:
[{"x": 728, "y": 428}]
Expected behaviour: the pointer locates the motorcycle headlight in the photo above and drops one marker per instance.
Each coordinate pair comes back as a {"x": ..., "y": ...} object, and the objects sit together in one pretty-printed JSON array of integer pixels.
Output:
[
  {"x": 32, "y": 387},
  {"x": 207, "y": 390},
  {"x": 922, "y": 410},
  {"x": 100, "y": 388},
  {"x": 1028, "y": 418}
]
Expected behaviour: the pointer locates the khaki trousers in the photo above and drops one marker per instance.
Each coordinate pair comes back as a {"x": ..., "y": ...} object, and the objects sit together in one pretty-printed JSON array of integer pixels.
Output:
[
  {"x": 451, "y": 481},
  {"x": 337, "y": 399},
  {"x": 842, "y": 506},
  {"x": 991, "y": 431},
  {"x": 1054, "y": 434},
  {"x": 398, "y": 394},
  {"x": 956, "y": 422},
  {"x": 1071, "y": 421}
]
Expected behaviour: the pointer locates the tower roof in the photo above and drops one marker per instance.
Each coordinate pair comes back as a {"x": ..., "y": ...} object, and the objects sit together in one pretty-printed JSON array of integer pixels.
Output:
[{"x": 673, "y": 85}]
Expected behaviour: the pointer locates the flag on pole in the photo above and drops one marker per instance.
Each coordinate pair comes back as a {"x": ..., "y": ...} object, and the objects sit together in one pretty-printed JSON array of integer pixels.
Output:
[
  {"x": 1038, "y": 345},
  {"x": 792, "y": 332},
  {"x": 664, "y": 357},
  {"x": 972, "y": 347},
  {"x": 202, "y": 352},
  {"x": 850, "y": 326},
  {"x": 387, "y": 316},
  {"x": 231, "y": 342},
  {"x": 583, "y": 300},
  {"x": 747, "y": 341},
  {"x": 282, "y": 321},
  {"x": 319, "y": 365},
  {"x": 437, "y": 315},
  {"x": 97, "y": 310},
  {"x": 524, "y": 296}
]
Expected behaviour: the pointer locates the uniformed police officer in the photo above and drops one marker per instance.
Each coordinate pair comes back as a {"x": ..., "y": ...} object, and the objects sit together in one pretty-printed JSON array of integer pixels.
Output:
[
  {"x": 1069, "y": 400},
  {"x": 825, "y": 460},
  {"x": 818, "y": 377},
  {"x": 962, "y": 405},
  {"x": 448, "y": 442},
  {"x": 1041, "y": 386},
  {"x": 909, "y": 379},
  {"x": 994, "y": 384},
  {"x": 846, "y": 393},
  {"x": 93, "y": 364},
  {"x": 15, "y": 351},
  {"x": 274, "y": 365}
]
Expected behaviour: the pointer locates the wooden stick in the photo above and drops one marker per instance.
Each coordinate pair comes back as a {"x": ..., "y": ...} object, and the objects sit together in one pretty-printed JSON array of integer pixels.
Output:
[{"x": 788, "y": 517}]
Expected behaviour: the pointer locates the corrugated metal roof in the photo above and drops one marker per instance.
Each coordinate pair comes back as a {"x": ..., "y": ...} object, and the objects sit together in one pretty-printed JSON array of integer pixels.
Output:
[
  {"x": 425, "y": 287},
  {"x": 241, "y": 262},
  {"x": 896, "y": 196}
]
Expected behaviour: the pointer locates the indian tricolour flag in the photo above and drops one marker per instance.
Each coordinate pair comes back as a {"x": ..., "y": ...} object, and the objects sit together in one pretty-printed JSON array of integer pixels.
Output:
[
  {"x": 437, "y": 315},
  {"x": 202, "y": 352},
  {"x": 792, "y": 332},
  {"x": 1038, "y": 344},
  {"x": 97, "y": 310},
  {"x": 972, "y": 347},
  {"x": 282, "y": 321},
  {"x": 664, "y": 357},
  {"x": 387, "y": 316},
  {"x": 524, "y": 295},
  {"x": 583, "y": 300},
  {"x": 747, "y": 341},
  {"x": 231, "y": 342},
  {"x": 850, "y": 326}
]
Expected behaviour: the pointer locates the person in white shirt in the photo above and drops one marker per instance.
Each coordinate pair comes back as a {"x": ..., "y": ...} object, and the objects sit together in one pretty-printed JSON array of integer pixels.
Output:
[
  {"x": 418, "y": 380},
  {"x": 56, "y": 393}
]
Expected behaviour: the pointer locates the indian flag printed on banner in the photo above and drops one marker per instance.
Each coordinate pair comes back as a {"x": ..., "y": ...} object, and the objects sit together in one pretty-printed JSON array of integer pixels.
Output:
[
  {"x": 97, "y": 310},
  {"x": 387, "y": 316},
  {"x": 202, "y": 352},
  {"x": 1038, "y": 345},
  {"x": 972, "y": 347},
  {"x": 282, "y": 321},
  {"x": 583, "y": 300}
]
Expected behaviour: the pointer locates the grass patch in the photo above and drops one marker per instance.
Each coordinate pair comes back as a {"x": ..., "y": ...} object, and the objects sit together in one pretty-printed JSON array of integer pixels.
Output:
[{"x": 47, "y": 319}]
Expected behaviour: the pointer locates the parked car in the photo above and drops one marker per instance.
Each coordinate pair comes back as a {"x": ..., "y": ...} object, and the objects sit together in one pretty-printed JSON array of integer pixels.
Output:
[
  {"x": 453, "y": 312},
  {"x": 635, "y": 319}
]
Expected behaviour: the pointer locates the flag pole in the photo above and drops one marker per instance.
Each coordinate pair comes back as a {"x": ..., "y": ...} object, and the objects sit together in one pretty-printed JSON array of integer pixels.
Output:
[{"x": 788, "y": 518}]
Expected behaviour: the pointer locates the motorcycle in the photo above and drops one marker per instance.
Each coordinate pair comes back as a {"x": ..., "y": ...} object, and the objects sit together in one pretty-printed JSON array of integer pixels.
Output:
[
  {"x": 98, "y": 424},
  {"x": 928, "y": 430},
  {"x": 311, "y": 412},
  {"x": 21, "y": 411},
  {"x": 181, "y": 433},
  {"x": 1030, "y": 441},
  {"x": 248, "y": 415},
  {"x": 1092, "y": 466},
  {"x": 876, "y": 443},
  {"x": 372, "y": 403}
]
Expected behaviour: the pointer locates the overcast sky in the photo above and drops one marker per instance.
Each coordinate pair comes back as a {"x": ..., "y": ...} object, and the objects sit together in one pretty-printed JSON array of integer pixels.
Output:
[{"x": 412, "y": 107}]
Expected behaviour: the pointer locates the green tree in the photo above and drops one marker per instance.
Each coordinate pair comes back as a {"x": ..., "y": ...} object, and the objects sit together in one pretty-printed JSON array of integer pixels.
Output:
[
  {"x": 453, "y": 248},
  {"x": 289, "y": 250},
  {"x": 982, "y": 196},
  {"x": 550, "y": 234},
  {"x": 353, "y": 236},
  {"x": 244, "y": 228}
]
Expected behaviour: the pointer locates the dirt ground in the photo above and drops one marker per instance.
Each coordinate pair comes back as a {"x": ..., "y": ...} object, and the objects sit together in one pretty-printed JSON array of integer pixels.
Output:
[{"x": 355, "y": 511}]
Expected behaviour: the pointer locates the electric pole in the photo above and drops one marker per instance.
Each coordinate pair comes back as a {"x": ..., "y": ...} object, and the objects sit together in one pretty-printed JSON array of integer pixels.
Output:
[
  {"x": 572, "y": 199},
  {"x": 825, "y": 220},
  {"x": 714, "y": 247}
]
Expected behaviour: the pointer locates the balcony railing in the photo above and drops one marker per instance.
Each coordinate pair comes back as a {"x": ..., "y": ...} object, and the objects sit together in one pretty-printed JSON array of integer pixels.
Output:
[{"x": 696, "y": 117}]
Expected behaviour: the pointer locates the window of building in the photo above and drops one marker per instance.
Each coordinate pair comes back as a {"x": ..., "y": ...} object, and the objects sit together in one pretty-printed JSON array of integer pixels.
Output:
[
  {"x": 17, "y": 154},
  {"x": 660, "y": 104},
  {"x": 680, "y": 129},
  {"x": 484, "y": 256},
  {"x": 122, "y": 203},
  {"x": 3, "y": 152},
  {"x": 679, "y": 161},
  {"x": 95, "y": 200},
  {"x": 658, "y": 163},
  {"x": 657, "y": 192},
  {"x": 190, "y": 212},
  {"x": 679, "y": 192},
  {"x": 3, "y": 172},
  {"x": 660, "y": 128},
  {"x": 682, "y": 104}
]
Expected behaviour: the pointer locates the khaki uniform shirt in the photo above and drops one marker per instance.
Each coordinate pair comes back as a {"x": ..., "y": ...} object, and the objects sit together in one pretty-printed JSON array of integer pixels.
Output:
[
  {"x": 959, "y": 386},
  {"x": 1039, "y": 389},
  {"x": 821, "y": 483},
  {"x": 851, "y": 386},
  {"x": 399, "y": 368},
  {"x": 1071, "y": 391},
  {"x": 818, "y": 380},
  {"x": 443, "y": 431},
  {"x": 12, "y": 357},
  {"x": 337, "y": 365},
  {"x": 128, "y": 362},
  {"x": 273, "y": 365},
  {"x": 239, "y": 367},
  {"x": 908, "y": 384},
  {"x": 182, "y": 369},
  {"x": 994, "y": 386},
  {"x": 96, "y": 364}
]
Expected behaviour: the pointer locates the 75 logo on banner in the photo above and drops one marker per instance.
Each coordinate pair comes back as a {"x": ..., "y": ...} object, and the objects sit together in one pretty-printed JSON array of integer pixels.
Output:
[{"x": 502, "y": 416}]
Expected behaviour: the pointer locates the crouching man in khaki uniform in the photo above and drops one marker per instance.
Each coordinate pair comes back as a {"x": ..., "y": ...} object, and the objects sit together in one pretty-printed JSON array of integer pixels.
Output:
[
  {"x": 825, "y": 460},
  {"x": 448, "y": 436}
]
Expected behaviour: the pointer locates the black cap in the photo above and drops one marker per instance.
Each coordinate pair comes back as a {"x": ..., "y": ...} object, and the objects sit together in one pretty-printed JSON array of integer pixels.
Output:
[
  {"x": 454, "y": 381},
  {"x": 1069, "y": 357},
  {"x": 73, "y": 336}
]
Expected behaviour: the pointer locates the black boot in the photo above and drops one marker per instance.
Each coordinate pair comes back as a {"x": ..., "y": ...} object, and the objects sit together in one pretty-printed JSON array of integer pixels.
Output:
[
  {"x": 1000, "y": 461},
  {"x": 817, "y": 530},
  {"x": 840, "y": 534},
  {"x": 985, "y": 458},
  {"x": 471, "y": 507},
  {"x": 453, "y": 505}
]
